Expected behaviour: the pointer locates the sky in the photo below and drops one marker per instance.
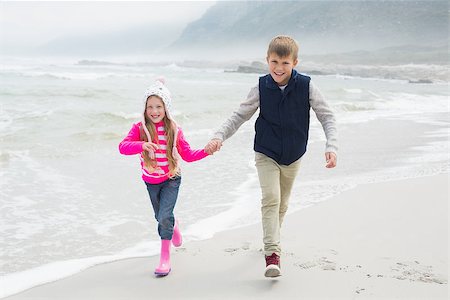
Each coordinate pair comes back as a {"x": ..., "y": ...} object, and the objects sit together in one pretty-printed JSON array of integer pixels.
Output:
[{"x": 25, "y": 24}]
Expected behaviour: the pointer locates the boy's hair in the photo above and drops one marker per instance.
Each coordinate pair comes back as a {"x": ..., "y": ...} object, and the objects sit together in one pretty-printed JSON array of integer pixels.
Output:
[{"x": 283, "y": 45}]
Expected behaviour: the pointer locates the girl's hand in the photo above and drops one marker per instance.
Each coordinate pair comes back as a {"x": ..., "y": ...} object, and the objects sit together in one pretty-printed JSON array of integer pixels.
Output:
[
  {"x": 149, "y": 146},
  {"x": 213, "y": 146},
  {"x": 331, "y": 159}
]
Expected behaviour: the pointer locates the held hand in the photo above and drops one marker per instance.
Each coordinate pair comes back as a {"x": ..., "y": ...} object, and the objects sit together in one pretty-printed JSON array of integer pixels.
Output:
[
  {"x": 213, "y": 146},
  {"x": 331, "y": 159}
]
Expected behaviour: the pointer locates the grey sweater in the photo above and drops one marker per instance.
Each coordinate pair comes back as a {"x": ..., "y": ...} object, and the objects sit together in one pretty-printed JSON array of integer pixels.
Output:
[{"x": 248, "y": 108}]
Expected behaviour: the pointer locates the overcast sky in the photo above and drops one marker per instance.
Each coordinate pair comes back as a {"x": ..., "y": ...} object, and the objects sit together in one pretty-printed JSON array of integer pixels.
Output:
[{"x": 35, "y": 23}]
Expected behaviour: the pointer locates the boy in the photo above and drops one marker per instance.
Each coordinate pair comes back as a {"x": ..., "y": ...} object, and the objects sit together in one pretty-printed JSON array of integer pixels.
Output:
[{"x": 284, "y": 98}]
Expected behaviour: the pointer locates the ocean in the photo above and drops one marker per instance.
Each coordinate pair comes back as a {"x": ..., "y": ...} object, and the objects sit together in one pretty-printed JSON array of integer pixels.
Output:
[{"x": 69, "y": 200}]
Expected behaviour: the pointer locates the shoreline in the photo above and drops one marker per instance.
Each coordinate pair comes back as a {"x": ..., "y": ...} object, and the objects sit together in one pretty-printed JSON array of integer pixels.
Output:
[{"x": 230, "y": 265}]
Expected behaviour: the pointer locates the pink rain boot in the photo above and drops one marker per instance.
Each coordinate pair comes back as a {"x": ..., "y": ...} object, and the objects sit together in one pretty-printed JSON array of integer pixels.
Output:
[
  {"x": 176, "y": 237},
  {"x": 164, "y": 263}
]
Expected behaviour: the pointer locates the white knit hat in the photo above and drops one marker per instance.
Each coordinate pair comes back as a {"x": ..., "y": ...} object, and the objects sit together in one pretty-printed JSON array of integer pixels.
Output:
[{"x": 159, "y": 89}]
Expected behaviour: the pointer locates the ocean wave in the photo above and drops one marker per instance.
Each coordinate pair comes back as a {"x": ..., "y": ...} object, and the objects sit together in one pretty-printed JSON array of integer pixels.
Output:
[
  {"x": 353, "y": 107},
  {"x": 64, "y": 75},
  {"x": 30, "y": 115},
  {"x": 90, "y": 136},
  {"x": 86, "y": 62},
  {"x": 10, "y": 117},
  {"x": 119, "y": 116},
  {"x": 413, "y": 103},
  {"x": 15, "y": 122},
  {"x": 353, "y": 91},
  {"x": 416, "y": 107},
  {"x": 59, "y": 92},
  {"x": 104, "y": 63},
  {"x": 5, "y": 120},
  {"x": 172, "y": 66},
  {"x": 412, "y": 73}
]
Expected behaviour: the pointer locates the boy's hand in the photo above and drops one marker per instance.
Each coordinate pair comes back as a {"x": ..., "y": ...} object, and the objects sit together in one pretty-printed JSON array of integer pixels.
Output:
[
  {"x": 213, "y": 146},
  {"x": 331, "y": 159}
]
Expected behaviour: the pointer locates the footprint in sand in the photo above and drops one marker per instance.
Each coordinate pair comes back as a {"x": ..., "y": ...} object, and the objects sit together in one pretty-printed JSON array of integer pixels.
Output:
[
  {"x": 232, "y": 251},
  {"x": 307, "y": 265},
  {"x": 324, "y": 263},
  {"x": 414, "y": 271}
]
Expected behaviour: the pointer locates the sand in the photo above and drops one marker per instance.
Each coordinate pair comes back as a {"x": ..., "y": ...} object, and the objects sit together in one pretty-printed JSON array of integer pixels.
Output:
[{"x": 378, "y": 241}]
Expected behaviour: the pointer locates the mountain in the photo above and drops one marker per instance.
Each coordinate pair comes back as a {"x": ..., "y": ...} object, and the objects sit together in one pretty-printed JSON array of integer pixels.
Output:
[
  {"x": 240, "y": 30},
  {"x": 320, "y": 27},
  {"x": 142, "y": 39}
]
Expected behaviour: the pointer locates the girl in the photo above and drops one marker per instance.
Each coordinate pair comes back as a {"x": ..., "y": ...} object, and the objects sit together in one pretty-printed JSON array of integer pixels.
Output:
[{"x": 160, "y": 143}]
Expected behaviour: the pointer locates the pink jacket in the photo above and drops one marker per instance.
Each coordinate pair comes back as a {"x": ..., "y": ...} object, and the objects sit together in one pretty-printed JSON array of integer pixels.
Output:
[{"x": 132, "y": 144}]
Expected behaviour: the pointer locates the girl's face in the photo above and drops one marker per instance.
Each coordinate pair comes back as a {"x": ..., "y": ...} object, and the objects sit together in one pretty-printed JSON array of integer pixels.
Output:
[
  {"x": 155, "y": 110},
  {"x": 281, "y": 68}
]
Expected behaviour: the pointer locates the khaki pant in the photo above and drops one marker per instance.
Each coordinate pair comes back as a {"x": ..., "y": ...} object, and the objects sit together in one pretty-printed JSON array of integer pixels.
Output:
[{"x": 276, "y": 184}]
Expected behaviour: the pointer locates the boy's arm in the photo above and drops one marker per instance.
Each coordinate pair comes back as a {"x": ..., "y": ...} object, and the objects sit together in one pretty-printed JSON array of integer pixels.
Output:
[
  {"x": 245, "y": 111},
  {"x": 325, "y": 116}
]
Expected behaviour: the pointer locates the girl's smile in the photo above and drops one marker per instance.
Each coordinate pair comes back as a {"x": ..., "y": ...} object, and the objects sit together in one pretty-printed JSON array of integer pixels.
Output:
[{"x": 155, "y": 109}]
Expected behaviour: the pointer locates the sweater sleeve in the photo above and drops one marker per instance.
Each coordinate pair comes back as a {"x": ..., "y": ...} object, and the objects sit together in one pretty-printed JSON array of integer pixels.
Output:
[
  {"x": 185, "y": 151},
  {"x": 132, "y": 143},
  {"x": 325, "y": 116},
  {"x": 245, "y": 111}
]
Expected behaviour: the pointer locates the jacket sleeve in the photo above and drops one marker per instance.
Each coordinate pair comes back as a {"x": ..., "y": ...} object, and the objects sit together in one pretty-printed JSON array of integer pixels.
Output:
[
  {"x": 185, "y": 151},
  {"x": 245, "y": 111},
  {"x": 132, "y": 143},
  {"x": 325, "y": 116}
]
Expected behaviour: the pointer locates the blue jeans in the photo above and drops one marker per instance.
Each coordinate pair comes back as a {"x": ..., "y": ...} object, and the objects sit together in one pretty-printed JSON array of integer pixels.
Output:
[{"x": 164, "y": 197}]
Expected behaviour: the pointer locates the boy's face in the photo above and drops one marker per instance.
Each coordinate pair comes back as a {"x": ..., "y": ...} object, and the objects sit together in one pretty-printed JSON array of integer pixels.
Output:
[{"x": 280, "y": 68}]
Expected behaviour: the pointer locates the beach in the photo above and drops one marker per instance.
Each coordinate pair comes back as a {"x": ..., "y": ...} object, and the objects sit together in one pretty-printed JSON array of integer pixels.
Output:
[
  {"x": 70, "y": 204},
  {"x": 376, "y": 241},
  {"x": 76, "y": 220}
]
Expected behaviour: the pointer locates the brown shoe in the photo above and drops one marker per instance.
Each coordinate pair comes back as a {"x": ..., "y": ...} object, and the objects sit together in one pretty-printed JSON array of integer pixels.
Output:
[{"x": 272, "y": 266}]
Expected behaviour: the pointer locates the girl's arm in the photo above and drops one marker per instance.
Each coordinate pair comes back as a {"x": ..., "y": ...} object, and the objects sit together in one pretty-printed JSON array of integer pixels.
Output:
[
  {"x": 132, "y": 143},
  {"x": 185, "y": 151}
]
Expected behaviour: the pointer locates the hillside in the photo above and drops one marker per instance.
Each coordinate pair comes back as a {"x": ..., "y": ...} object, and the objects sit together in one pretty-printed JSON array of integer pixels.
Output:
[{"x": 319, "y": 26}]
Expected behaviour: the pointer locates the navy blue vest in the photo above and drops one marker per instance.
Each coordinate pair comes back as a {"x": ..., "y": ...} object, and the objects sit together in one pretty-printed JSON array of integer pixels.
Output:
[{"x": 283, "y": 122}]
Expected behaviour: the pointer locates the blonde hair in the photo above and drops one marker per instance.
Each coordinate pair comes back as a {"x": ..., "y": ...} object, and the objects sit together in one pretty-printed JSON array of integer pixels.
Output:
[
  {"x": 283, "y": 45},
  {"x": 170, "y": 130}
]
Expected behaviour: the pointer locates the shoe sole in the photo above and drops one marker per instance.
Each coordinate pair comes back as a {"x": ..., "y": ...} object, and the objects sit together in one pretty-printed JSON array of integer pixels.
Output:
[
  {"x": 272, "y": 271},
  {"x": 161, "y": 274}
]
